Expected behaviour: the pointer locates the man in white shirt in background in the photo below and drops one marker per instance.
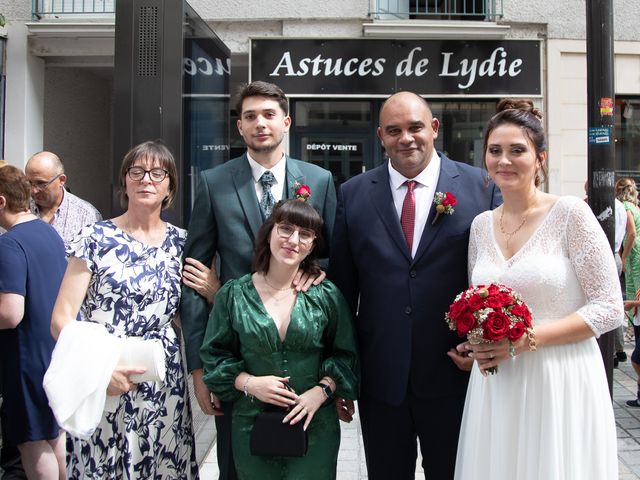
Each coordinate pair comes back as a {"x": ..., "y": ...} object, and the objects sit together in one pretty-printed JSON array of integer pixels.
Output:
[
  {"x": 53, "y": 203},
  {"x": 621, "y": 228}
]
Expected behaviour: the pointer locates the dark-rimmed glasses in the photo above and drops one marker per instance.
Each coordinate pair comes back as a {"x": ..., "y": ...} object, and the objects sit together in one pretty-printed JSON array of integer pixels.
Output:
[
  {"x": 155, "y": 174},
  {"x": 286, "y": 230},
  {"x": 42, "y": 185}
]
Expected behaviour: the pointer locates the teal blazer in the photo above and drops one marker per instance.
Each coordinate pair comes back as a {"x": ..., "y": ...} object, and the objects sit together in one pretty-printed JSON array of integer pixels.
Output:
[{"x": 225, "y": 220}]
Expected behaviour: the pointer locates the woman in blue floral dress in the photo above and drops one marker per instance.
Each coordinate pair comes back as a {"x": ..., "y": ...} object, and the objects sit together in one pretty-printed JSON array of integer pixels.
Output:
[{"x": 124, "y": 273}]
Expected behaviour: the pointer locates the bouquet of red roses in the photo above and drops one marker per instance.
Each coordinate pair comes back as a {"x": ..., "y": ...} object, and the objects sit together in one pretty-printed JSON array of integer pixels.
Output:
[{"x": 489, "y": 313}]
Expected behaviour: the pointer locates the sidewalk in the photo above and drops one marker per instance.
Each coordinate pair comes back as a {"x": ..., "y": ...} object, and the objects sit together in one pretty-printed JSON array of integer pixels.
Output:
[{"x": 351, "y": 461}]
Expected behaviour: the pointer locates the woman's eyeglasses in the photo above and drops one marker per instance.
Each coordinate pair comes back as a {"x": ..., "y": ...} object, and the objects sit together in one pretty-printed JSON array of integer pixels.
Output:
[
  {"x": 155, "y": 174},
  {"x": 286, "y": 230}
]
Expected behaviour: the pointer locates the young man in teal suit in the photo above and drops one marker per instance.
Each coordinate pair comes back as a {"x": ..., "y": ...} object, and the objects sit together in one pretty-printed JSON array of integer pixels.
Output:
[
  {"x": 399, "y": 265},
  {"x": 231, "y": 203}
]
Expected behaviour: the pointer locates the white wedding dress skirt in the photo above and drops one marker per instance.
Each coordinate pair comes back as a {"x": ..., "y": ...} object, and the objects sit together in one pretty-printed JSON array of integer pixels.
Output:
[{"x": 546, "y": 415}]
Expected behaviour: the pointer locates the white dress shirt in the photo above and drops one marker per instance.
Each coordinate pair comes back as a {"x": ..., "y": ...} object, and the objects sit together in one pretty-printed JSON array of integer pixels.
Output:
[
  {"x": 424, "y": 192},
  {"x": 279, "y": 171},
  {"x": 621, "y": 224}
]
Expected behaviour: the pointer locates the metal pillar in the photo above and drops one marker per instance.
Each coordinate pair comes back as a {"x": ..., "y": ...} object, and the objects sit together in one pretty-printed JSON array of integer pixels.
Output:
[{"x": 600, "y": 122}]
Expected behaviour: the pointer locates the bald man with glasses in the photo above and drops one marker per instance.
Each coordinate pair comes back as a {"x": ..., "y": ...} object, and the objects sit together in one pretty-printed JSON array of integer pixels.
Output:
[{"x": 52, "y": 202}]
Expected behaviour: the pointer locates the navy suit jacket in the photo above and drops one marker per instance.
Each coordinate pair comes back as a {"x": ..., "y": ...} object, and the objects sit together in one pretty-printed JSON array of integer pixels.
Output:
[
  {"x": 225, "y": 220},
  {"x": 400, "y": 301}
]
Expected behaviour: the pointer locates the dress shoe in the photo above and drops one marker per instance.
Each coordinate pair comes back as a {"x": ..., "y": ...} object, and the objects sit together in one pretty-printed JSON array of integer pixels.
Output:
[
  {"x": 633, "y": 403},
  {"x": 621, "y": 356}
]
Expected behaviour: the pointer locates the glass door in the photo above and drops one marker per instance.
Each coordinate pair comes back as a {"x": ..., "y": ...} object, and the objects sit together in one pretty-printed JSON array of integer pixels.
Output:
[
  {"x": 344, "y": 155},
  {"x": 337, "y": 135}
]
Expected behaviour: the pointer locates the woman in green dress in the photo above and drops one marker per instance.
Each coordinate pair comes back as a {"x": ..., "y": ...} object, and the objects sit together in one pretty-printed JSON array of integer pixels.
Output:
[
  {"x": 263, "y": 334},
  {"x": 627, "y": 193}
]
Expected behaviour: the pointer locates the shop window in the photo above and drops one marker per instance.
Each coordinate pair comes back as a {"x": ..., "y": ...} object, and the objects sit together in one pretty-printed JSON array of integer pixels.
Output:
[
  {"x": 627, "y": 128},
  {"x": 461, "y": 135},
  {"x": 332, "y": 114}
]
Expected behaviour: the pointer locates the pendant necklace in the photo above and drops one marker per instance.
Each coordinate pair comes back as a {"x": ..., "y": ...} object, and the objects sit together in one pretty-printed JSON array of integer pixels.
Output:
[
  {"x": 277, "y": 299},
  {"x": 525, "y": 215}
]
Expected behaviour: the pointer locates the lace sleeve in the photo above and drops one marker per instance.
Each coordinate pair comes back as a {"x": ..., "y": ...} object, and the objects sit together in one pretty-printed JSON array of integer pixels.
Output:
[
  {"x": 593, "y": 262},
  {"x": 473, "y": 248}
]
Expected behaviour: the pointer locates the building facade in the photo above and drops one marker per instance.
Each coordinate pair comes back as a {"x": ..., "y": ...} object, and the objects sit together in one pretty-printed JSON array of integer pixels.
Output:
[{"x": 337, "y": 61}]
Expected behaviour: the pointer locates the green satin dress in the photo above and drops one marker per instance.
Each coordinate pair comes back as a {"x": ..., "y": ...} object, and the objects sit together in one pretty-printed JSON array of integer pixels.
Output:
[{"x": 320, "y": 341}]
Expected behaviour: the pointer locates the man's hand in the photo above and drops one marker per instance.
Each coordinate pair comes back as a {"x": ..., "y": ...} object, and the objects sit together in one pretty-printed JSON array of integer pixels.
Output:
[
  {"x": 461, "y": 358},
  {"x": 303, "y": 281},
  {"x": 202, "y": 279},
  {"x": 209, "y": 402},
  {"x": 345, "y": 409}
]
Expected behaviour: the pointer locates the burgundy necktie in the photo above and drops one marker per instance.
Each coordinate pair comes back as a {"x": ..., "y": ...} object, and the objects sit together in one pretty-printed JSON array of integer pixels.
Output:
[{"x": 408, "y": 215}]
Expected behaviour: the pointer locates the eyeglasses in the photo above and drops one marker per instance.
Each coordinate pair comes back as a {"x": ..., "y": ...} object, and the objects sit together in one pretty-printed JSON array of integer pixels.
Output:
[
  {"x": 155, "y": 174},
  {"x": 286, "y": 230},
  {"x": 42, "y": 185}
]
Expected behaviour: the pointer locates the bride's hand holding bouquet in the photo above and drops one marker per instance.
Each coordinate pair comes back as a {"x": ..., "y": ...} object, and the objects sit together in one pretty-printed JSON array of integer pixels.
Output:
[{"x": 496, "y": 322}]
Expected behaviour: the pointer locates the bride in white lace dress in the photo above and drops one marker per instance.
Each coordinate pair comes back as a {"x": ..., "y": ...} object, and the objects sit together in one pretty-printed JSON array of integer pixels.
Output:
[{"x": 547, "y": 413}]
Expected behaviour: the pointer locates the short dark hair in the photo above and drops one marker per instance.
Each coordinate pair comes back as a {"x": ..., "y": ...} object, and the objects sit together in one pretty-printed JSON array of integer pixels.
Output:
[
  {"x": 15, "y": 188},
  {"x": 159, "y": 154},
  {"x": 261, "y": 89},
  {"x": 523, "y": 114},
  {"x": 295, "y": 212}
]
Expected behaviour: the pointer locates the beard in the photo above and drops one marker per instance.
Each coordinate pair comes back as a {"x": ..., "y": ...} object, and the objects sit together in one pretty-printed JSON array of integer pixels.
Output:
[{"x": 265, "y": 148}]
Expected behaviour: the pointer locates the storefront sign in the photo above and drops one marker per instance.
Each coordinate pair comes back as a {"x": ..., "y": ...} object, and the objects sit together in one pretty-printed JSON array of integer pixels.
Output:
[
  {"x": 427, "y": 67},
  {"x": 332, "y": 146}
]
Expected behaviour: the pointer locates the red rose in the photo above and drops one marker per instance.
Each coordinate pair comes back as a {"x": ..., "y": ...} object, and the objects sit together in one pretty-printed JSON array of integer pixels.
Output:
[
  {"x": 496, "y": 326},
  {"x": 476, "y": 302},
  {"x": 449, "y": 199},
  {"x": 457, "y": 308},
  {"x": 522, "y": 311},
  {"x": 500, "y": 300},
  {"x": 465, "y": 323},
  {"x": 516, "y": 331},
  {"x": 493, "y": 289},
  {"x": 303, "y": 192}
]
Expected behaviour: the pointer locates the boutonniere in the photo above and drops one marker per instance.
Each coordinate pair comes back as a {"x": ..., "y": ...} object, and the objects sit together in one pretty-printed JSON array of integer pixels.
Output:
[
  {"x": 444, "y": 204},
  {"x": 301, "y": 191}
]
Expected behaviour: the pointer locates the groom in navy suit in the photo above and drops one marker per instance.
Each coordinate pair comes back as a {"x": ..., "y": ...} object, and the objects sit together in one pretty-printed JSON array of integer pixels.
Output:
[{"x": 400, "y": 265}]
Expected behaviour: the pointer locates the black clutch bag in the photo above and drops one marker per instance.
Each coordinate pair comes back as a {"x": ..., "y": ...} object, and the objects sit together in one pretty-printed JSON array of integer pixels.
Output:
[{"x": 272, "y": 438}]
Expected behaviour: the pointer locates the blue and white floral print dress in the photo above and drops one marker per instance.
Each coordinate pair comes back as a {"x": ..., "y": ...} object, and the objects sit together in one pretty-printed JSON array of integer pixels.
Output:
[{"x": 135, "y": 291}]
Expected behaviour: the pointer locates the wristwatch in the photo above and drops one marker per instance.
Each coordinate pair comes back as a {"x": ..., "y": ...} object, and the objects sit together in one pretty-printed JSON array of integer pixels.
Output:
[{"x": 326, "y": 389}]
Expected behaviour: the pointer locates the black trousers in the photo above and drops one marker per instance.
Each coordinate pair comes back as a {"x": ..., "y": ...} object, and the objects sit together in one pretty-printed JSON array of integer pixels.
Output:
[
  {"x": 223, "y": 442},
  {"x": 11, "y": 465},
  {"x": 390, "y": 432}
]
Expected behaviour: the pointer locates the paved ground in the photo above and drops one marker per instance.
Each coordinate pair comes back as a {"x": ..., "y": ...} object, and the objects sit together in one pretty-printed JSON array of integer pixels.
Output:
[{"x": 351, "y": 463}]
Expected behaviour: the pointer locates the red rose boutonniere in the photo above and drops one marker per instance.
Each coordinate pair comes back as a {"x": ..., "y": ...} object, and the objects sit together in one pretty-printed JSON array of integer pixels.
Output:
[
  {"x": 444, "y": 204},
  {"x": 302, "y": 192}
]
